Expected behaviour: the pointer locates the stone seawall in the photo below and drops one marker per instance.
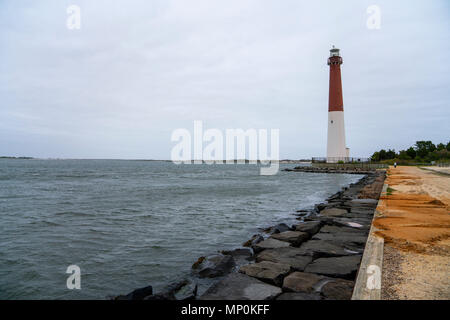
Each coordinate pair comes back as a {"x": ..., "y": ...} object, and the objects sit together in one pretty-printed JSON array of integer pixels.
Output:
[{"x": 318, "y": 258}]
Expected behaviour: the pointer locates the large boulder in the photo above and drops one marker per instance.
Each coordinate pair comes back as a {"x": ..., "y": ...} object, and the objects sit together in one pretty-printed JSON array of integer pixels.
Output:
[
  {"x": 298, "y": 296},
  {"x": 368, "y": 202},
  {"x": 343, "y": 222},
  {"x": 161, "y": 296},
  {"x": 340, "y": 230},
  {"x": 270, "y": 244},
  {"x": 320, "y": 206},
  {"x": 291, "y": 256},
  {"x": 185, "y": 291},
  {"x": 311, "y": 227},
  {"x": 256, "y": 238},
  {"x": 337, "y": 267},
  {"x": 352, "y": 224},
  {"x": 238, "y": 286},
  {"x": 138, "y": 294},
  {"x": 348, "y": 239},
  {"x": 281, "y": 227},
  {"x": 338, "y": 289},
  {"x": 215, "y": 266},
  {"x": 303, "y": 213},
  {"x": 351, "y": 238},
  {"x": 294, "y": 237},
  {"x": 302, "y": 282},
  {"x": 320, "y": 248},
  {"x": 239, "y": 252},
  {"x": 267, "y": 271},
  {"x": 240, "y": 255},
  {"x": 333, "y": 212}
]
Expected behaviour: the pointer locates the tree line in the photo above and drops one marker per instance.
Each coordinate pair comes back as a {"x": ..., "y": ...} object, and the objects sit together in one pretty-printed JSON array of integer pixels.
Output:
[{"x": 422, "y": 151}]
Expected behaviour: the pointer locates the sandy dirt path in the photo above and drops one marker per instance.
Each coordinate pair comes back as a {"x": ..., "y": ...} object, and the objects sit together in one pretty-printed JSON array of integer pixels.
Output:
[{"x": 415, "y": 225}]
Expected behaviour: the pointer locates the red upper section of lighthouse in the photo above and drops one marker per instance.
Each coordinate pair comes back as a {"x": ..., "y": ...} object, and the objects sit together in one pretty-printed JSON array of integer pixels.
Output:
[{"x": 335, "y": 101}]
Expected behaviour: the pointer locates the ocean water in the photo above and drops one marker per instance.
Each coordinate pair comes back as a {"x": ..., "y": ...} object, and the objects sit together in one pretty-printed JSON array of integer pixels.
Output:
[{"x": 128, "y": 224}]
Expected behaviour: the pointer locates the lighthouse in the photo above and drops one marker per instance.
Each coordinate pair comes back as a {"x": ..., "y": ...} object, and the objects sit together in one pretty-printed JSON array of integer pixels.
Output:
[{"x": 336, "y": 147}]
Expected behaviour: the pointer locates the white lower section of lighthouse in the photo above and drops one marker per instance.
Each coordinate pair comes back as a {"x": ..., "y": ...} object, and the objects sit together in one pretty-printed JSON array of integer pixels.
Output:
[{"x": 336, "y": 147}]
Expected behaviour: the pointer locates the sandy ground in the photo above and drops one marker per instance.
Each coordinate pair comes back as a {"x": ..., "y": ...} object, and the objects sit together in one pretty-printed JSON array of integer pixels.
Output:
[{"x": 415, "y": 225}]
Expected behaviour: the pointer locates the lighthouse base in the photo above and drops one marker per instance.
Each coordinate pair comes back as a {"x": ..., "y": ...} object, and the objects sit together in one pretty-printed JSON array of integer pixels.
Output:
[{"x": 336, "y": 148}]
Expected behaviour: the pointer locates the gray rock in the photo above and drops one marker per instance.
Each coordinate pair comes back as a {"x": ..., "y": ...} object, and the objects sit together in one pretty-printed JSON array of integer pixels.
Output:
[
  {"x": 313, "y": 217},
  {"x": 338, "y": 289},
  {"x": 294, "y": 257},
  {"x": 336, "y": 196},
  {"x": 239, "y": 253},
  {"x": 138, "y": 294},
  {"x": 216, "y": 266},
  {"x": 349, "y": 239},
  {"x": 342, "y": 230},
  {"x": 187, "y": 291},
  {"x": 359, "y": 214},
  {"x": 160, "y": 296},
  {"x": 333, "y": 212},
  {"x": 365, "y": 201},
  {"x": 319, "y": 249},
  {"x": 298, "y": 296},
  {"x": 257, "y": 238},
  {"x": 353, "y": 224},
  {"x": 338, "y": 267},
  {"x": 238, "y": 286},
  {"x": 281, "y": 227},
  {"x": 362, "y": 209},
  {"x": 320, "y": 206},
  {"x": 302, "y": 282},
  {"x": 294, "y": 237},
  {"x": 270, "y": 244},
  {"x": 267, "y": 271},
  {"x": 342, "y": 222},
  {"x": 302, "y": 213},
  {"x": 311, "y": 227}
]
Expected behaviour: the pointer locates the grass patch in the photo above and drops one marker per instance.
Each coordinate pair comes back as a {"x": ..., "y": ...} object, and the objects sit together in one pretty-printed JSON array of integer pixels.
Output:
[{"x": 389, "y": 191}]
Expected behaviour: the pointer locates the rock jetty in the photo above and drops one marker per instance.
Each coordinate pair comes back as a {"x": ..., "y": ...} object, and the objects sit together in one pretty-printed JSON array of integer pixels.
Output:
[
  {"x": 335, "y": 169},
  {"x": 318, "y": 258}
]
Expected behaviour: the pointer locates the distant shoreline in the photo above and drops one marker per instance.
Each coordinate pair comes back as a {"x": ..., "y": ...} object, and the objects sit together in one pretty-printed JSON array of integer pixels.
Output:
[
  {"x": 19, "y": 158},
  {"x": 284, "y": 161}
]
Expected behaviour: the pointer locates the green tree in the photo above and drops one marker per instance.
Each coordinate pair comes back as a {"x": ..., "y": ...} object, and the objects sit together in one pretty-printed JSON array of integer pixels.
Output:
[
  {"x": 375, "y": 156},
  {"x": 422, "y": 151},
  {"x": 424, "y": 147},
  {"x": 438, "y": 155},
  {"x": 403, "y": 155},
  {"x": 390, "y": 154},
  {"x": 411, "y": 152}
]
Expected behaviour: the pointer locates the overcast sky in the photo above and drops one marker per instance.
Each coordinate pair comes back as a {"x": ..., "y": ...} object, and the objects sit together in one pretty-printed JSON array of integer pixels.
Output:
[{"x": 137, "y": 70}]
